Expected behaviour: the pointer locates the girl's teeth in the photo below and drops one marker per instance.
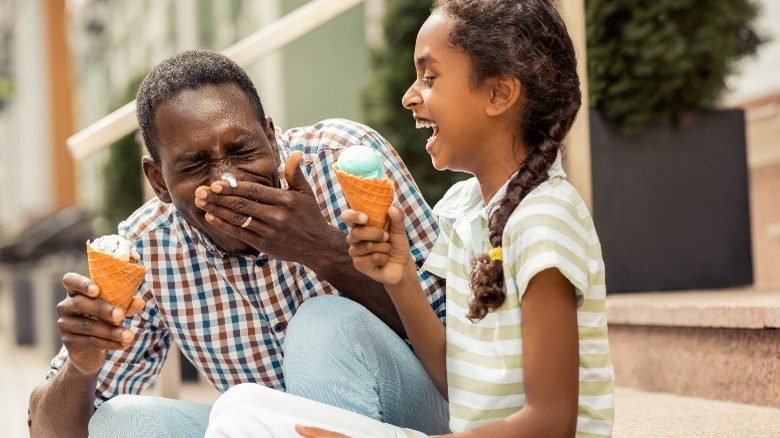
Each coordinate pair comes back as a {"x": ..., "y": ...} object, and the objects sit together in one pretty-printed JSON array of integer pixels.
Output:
[{"x": 424, "y": 124}]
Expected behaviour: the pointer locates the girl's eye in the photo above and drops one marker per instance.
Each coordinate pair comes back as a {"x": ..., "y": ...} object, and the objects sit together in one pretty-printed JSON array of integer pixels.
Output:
[{"x": 428, "y": 80}]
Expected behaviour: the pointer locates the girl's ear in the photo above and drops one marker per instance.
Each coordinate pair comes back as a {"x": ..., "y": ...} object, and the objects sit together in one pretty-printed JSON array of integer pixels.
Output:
[
  {"x": 504, "y": 93},
  {"x": 155, "y": 177}
]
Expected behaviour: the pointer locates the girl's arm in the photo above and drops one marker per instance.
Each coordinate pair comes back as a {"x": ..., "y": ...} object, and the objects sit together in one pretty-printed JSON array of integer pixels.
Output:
[
  {"x": 550, "y": 363},
  {"x": 423, "y": 327},
  {"x": 385, "y": 257}
]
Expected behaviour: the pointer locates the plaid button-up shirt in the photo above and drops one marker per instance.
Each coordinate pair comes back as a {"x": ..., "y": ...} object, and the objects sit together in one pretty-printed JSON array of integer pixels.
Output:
[{"x": 228, "y": 314}]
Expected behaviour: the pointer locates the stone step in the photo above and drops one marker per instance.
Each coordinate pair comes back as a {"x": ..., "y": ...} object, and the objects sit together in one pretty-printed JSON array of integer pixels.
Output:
[
  {"x": 722, "y": 345},
  {"x": 644, "y": 414}
]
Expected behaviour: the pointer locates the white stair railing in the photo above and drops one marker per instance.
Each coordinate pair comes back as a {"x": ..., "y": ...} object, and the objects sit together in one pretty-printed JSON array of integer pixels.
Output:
[{"x": 266, "y": 40}]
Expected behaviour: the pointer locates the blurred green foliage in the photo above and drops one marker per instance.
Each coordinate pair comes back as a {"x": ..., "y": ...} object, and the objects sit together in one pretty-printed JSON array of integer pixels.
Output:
[
  {"x": 654, "y": 60},
  {"x": 393, "y": 71},
  {"x": 123, "y": 180},
  {"x": 6, "y": 89}
]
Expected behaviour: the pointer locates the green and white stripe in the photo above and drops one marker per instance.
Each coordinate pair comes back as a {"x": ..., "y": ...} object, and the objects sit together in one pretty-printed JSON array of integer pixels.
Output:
[{"x": 550, "y": 228}]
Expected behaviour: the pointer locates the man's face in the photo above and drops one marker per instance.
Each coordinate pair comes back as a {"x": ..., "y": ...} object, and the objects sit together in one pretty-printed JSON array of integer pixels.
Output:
[{"x": 203, "y": 133}]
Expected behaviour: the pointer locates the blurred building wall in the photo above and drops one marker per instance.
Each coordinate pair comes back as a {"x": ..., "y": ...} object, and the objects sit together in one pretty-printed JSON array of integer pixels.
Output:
[
  {"x": 6, "y": 85},
  {"x": 25, "y": 164},
  {"x": 325, "y": 69},
  {"x": 116, "y": 41},
  {"x": 757, "y": 89},
  {"x": 321, "y": 75}
]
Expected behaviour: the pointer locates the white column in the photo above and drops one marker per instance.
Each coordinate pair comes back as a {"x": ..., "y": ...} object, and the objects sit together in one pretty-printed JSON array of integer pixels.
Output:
[
  {"x": 26, "y": 170},
  {"x": 186, "y": 19},
  {"x": 577, "y": 164},
  {"x": 269, "y": 79},
  {"x": 374, "y": 11}
]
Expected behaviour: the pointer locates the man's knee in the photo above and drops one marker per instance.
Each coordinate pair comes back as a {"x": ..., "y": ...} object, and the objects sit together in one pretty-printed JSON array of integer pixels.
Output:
[
  {"x": 325, "y": 317},
  {"x": 118, "y": 415},
  {"x": 329, "y": 330},
  {"x": 122, "y": 405}
]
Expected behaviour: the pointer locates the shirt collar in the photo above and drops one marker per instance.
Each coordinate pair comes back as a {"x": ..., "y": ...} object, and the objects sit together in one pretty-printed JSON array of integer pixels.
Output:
[
  {"x": 200, "y": 238},
  {"x": 464, "y": 199},
  {"x": 556, "y": 170},
  {"x": 210, "y": 246}
]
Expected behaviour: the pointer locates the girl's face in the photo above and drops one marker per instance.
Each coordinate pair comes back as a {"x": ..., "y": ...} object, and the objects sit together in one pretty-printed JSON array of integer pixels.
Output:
[{"x": 444, "y": 98}]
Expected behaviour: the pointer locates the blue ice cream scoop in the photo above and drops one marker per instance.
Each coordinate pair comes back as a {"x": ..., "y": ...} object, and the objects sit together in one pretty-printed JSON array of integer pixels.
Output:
[{"x": 361, "y": 161}]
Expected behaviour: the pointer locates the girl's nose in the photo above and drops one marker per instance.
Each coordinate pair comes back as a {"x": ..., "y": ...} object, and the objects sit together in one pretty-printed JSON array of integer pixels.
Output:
[{"x": 410, "y": 98}]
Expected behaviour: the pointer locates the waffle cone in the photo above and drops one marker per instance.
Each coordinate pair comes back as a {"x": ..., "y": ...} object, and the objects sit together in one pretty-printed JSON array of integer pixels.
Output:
[
  {"x": 371, "y": 196},
  {"x": 118, "y": 280}
]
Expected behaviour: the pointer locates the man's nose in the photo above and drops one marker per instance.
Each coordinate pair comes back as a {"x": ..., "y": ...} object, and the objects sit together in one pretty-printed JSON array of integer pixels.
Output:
[{"x": 221, "y": 167}]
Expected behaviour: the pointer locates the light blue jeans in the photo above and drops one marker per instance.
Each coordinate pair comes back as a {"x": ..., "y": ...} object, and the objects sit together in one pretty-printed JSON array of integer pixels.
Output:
[{"x": 335, "y": 352}]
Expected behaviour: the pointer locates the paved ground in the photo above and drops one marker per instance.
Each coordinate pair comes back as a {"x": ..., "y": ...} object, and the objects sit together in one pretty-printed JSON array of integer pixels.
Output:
[
  {"x": 22, "y": 368},
  {"x": 639, "y": 414}
]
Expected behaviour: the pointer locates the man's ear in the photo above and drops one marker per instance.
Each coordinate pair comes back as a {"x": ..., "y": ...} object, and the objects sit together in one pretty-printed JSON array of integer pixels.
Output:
[
  {"x": 155, "y": 177},
  {"x": 504, "y": 93},
  {"x": 270, "y": 133}
]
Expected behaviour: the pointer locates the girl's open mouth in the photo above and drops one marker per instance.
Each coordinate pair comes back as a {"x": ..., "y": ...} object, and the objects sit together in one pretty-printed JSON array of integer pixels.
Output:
[{"x": 423, "y": 123}]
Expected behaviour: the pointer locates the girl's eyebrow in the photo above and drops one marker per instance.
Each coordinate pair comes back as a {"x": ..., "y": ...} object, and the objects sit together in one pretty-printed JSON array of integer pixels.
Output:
[{"x": 424, "y": 60}]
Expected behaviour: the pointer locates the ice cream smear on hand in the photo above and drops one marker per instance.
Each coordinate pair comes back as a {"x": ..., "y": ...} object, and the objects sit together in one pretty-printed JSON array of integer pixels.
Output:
[
  {"x": 117, "y": 246},
  {"x": 361, "y": 161}
]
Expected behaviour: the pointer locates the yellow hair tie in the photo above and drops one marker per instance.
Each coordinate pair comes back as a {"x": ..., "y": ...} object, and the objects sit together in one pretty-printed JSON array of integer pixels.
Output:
[{"x": 496, "y": 254}]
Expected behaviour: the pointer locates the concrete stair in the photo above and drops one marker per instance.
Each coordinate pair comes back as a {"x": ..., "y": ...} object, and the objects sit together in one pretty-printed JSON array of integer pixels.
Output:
[
  {"x": 645, "y": 414},
  {"x": 696, "y": 363}
]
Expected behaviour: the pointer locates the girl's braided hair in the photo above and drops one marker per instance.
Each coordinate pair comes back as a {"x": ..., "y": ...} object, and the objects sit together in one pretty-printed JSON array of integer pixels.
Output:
[{"x": 526, "y": 39}]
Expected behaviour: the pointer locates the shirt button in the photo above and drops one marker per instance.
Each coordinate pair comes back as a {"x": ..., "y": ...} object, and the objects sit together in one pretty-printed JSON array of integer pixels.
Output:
[
  {"x": 260, "y": 262},
  {"x": 278, "y": 328}
]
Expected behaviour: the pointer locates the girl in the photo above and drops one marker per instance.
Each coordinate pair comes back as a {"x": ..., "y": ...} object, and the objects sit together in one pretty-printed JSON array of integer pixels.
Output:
[{"x": 524, "y": 351}]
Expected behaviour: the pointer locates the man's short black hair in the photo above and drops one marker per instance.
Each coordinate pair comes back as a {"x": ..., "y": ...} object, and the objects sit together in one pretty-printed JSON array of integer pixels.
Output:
[{"x": 187, "y": 70}]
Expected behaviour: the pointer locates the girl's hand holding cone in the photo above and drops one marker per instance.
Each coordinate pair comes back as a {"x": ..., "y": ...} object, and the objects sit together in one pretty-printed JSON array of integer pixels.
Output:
[{"x": 361, "y": 175}]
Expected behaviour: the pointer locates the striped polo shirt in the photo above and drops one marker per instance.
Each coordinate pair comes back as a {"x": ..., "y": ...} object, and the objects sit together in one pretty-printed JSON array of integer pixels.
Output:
[{"x": 551, "y": 228}]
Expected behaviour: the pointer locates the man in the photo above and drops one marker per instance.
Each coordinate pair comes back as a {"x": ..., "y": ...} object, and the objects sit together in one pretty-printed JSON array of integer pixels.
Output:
[{"x": 228, "y": 267}]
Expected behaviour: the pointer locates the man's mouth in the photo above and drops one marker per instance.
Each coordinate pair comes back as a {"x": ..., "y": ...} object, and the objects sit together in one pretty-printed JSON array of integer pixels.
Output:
[{"x": 424, "y": 123}]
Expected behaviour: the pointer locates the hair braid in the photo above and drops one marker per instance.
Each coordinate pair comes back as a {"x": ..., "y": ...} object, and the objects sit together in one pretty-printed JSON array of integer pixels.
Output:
[
  {"x": 487, "y": 276},
  {"x": 526, "y": 39}
]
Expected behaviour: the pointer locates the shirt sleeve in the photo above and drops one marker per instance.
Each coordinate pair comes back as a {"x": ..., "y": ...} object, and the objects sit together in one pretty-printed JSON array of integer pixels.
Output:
[
  {"x": 132, "y": 370},
  {"x": 321, "y": 145},
  {"x": 544, "y": 233},
  {"x": 437, "y": 260}
]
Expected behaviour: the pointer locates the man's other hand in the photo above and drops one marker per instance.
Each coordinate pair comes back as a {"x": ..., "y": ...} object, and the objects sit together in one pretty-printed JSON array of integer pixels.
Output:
[{"x": 90, "y": 326}]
